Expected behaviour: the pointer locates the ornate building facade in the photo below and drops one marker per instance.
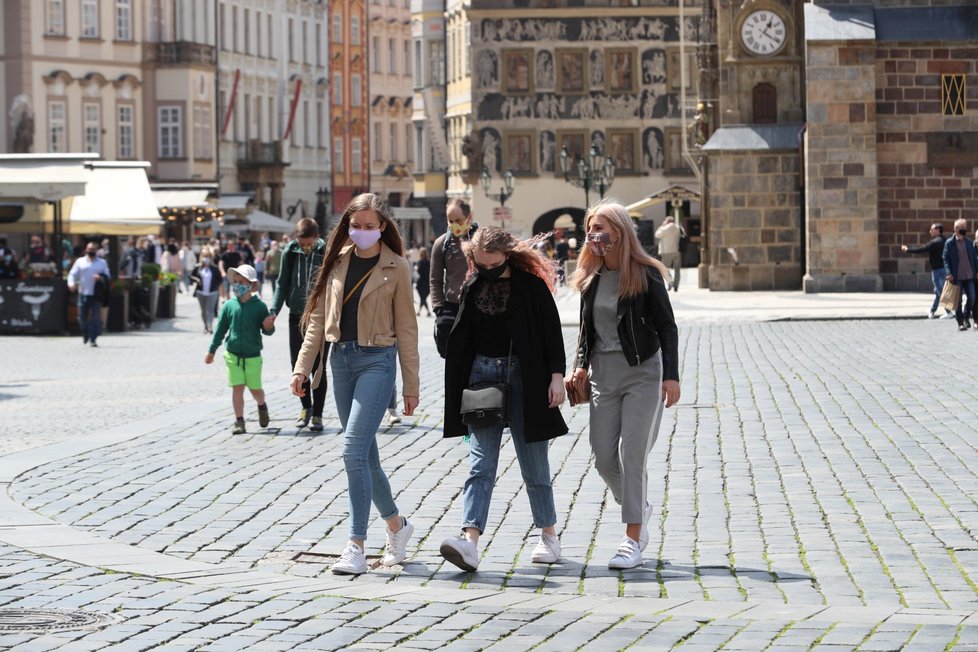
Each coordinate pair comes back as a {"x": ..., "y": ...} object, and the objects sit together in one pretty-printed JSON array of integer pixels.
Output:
[{"x": 349, "y": 114}]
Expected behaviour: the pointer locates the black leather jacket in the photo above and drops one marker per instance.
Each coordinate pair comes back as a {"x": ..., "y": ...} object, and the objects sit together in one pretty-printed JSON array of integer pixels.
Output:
[{"x": 645, "y": 325}]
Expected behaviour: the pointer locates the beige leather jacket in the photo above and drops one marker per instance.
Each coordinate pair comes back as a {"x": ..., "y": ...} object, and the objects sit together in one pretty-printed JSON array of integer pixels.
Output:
[{"x": 385, "y": 316}]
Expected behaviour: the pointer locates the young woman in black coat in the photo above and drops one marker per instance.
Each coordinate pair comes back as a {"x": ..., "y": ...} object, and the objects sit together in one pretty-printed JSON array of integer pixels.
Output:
[{"x": 507, "y": 328}]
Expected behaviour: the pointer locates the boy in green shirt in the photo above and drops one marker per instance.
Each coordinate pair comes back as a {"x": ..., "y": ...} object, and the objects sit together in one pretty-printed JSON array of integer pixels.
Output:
[{"x": 241, "y": 320}]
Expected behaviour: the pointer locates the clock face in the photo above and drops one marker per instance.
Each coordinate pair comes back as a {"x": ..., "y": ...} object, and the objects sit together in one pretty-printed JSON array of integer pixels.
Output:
[{"x": 763, "y": 32}]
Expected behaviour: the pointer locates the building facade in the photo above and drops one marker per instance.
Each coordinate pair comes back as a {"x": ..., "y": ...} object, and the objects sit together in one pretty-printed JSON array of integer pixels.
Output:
[
  {"x": 391, "y": 95},
  {"x": 431, "y": 152},
  {"x": 349, "y": 108}
]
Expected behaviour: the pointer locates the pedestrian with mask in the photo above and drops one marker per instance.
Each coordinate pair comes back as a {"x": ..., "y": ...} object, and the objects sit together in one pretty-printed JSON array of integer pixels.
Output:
[
  {"x": 449, "y": 268},
  {"x": 88, "y": 275},
  {"x": 507, "y": 331},
  {"x": 272, "y": 261},
  {"x": 423, "y": 282},
  {"x": 298, "y": 269},
  {"x": 935, "y": 254},
  {"x": 188, "y": 261},
  {"x": 961, "y": 267},
  {"x": 206, "y": 278},
  {"x": 629, "y": 342},
  {"x": 362, "y": 305}
]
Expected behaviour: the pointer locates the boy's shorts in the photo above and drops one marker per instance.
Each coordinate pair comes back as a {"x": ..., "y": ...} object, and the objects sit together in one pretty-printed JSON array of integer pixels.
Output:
[{"x": 243, "y": 371}]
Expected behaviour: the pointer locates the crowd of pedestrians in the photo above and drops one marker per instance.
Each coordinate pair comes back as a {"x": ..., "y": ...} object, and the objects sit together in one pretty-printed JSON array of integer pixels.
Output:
[
  {"x": 351, "y": 301},
  {"x": 954, "y": 269}
]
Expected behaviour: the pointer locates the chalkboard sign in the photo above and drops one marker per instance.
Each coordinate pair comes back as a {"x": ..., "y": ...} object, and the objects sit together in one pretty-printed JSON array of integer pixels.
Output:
[{"x": 32, "y": 306}]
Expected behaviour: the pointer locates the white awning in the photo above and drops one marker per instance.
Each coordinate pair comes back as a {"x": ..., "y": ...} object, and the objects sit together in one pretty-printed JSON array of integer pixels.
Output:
[
  {"x": 403, "y": 213},
  {"x": 669, "y": 193},
  {"x": 262, "y": 221},
  {"x": 43, "y": 177},
  {"x": 234, "y": 201},
  {"x": 117, "y": 201},
  {"x": 168, "y": 198}
]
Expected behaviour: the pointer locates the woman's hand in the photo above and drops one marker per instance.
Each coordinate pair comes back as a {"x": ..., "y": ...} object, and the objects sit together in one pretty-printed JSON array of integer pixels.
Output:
[
  {"x": 556, "y": 393},
  {"x": 298, "y": 380},
  {"x": 580, "y": 380},
  {"x": 670, "y": 392},
  {"x": 410, "y": 404}
]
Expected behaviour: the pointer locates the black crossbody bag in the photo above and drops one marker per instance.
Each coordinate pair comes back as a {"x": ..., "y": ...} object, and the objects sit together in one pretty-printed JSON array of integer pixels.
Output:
[{"x": 486, "y": 403}]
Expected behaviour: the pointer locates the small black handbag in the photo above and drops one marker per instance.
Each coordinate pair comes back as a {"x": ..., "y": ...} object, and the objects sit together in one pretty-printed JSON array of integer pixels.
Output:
[{"x": 486, "y": 403}]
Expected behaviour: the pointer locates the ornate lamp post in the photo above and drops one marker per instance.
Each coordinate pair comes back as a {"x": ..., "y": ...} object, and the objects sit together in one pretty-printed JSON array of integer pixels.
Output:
[
  {"x": 505, "y": 192},
  {"x": 596, "y": 171}
]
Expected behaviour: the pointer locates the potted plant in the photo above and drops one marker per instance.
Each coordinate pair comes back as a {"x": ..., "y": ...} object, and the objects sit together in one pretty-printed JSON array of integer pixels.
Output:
[
  {"x": 118, "y": 320},
  {"x": 166, "y": 308},
  {"x": 150, "y": 280}
]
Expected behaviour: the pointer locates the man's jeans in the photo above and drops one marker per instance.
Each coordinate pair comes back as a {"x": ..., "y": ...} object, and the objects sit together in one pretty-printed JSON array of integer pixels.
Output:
[
  {"x": 363, "y": 378},
  {"x": 484, "y": 454},
  {"x": 968, "y": 295},
  {"x": 89, "y": 316},
  {"x": 938, "y": 276}
]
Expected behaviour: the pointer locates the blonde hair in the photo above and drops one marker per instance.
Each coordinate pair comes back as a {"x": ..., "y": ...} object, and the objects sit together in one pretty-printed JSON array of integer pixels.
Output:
[
  {"x": 521, "y": 254},
  {"x": 633, "y": 258}
]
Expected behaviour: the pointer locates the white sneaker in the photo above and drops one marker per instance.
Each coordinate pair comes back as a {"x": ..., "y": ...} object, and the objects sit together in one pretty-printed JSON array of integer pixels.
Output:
[
  {"x": 547, "y": 550},
  {"x": 392, "y": 418},
  {"x": 643, "y": 536},
  {"x": 461, "y": 552},
  {"x": 947, "y": 315},
  {"x": 351, "y": 562},
  {"x": 930, "y": 314},
  {"x": 629, "y": 555},
  {"x": 395, "y": 553}
]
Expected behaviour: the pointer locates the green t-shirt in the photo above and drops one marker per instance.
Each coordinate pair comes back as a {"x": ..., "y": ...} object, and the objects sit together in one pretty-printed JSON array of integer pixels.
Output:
[{"x": 242, "y": 323}]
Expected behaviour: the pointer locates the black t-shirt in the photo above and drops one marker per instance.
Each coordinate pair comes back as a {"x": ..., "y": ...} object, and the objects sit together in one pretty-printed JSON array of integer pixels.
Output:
[
  {"x": 230, "y": 259},
  {"x": 562, "y": 250},
  {"x": 348, "y": 315},
  {"x": 492, "y": 306}
]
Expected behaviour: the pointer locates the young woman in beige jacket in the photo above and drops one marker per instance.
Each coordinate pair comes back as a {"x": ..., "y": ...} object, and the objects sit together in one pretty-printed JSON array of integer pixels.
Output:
[{"x": 363, "y": 305}]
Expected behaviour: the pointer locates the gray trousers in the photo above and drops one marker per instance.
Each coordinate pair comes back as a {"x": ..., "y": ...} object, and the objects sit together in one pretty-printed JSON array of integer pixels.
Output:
[
  {"x": 626, "y": 408},
  {"x": 674, "y": 262}
]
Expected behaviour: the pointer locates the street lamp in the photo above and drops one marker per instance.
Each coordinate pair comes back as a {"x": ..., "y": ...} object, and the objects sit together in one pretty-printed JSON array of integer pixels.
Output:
[
  {"x": 595, "y": 171},
  {"x": 505, "y": 192}
]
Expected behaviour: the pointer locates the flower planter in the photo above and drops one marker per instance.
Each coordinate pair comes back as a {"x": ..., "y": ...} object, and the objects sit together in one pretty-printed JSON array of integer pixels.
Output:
[
  {"x": 118, "y": 320},
  {"x": 166, "y": 306}
]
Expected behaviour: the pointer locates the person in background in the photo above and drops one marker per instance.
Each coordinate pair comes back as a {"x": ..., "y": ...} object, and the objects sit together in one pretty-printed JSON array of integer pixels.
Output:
[
  {"x": 230, "y": 259},
  {"x": 423, "y": 282},
  {"x": 362, "y": 303},
  {"x": 272, "y": 260},
  {"x": 242, "y": 321},
  {"x": 298, "y": 270},
  {"x": 507, "y": 330},
  {"x": 668, "y": 236},
  {"x": 961, "y": 267},
  {"x": 935, "y": 258},
  {"x": 170, "y": 262},
  {"x": 8, "y": 261},
  {"x": 38, "y": 252},
  {"x": 87, "y": 275},
  {"x": 207, "y": 280},
  {"x": 449, "y": 268},
  {"x": 260, "y": 269},
  {"x": 629, "y": 341},
  {"x": 188, "y": 261},
  {"x": 247, "y": 251}
]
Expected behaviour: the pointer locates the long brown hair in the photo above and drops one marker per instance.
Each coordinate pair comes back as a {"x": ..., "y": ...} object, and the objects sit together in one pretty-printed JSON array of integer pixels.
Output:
[
  {"x": 520, "y": 254},
  {"x": 633, "y": 257},
  {"x": 339, "y": 237}
]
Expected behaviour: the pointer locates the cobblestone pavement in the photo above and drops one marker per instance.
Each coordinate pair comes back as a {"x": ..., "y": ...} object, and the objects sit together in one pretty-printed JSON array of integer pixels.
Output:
[{"x": 814, "y": 489}]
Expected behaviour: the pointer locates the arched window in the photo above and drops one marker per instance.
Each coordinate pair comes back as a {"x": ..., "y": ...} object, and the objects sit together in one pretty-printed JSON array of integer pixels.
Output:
[{"x": 765, "y": 104}]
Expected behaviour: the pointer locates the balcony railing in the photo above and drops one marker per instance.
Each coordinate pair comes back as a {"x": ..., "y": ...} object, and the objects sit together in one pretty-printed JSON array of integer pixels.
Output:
[
  {"x": 255, "y": 152},
  {"x": 180, "y": 52}
]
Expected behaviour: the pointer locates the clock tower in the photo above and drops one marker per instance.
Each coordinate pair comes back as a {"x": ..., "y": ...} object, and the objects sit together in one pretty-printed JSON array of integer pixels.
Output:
[{"x": 753, "y": 183}]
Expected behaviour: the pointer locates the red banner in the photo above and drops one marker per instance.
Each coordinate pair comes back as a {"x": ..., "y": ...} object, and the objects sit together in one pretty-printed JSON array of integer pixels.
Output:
[
  {"x": 234, "y": 97},
  {"x": 295, "y": 103}
]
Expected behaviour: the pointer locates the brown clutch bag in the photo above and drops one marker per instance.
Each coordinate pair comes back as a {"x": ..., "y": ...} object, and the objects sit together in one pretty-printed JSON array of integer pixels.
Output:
[{"x": 576, "y": 396}]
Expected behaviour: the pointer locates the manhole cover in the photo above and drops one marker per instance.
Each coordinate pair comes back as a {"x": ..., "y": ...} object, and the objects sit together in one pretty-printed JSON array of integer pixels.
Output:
[{"x": 46, "y": 620}]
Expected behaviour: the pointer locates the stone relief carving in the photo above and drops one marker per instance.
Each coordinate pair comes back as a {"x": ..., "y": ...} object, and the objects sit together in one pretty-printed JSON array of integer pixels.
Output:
[
  {"x": 486, "y": 69},
  {"x": 653, "y": 149},
  {"x": 597, "y": 69},
  {"x": 586, "y": 29},
  {"x": 545, "y": 70},
  {"x": 492, "y": 150},
  {"x": 548, "y": 147},
  {"x": 654, "y": 66}
]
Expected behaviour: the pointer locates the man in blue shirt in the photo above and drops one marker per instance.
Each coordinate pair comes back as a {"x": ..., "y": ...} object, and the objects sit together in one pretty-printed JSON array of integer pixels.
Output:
[{"x": 84, "y": 276}]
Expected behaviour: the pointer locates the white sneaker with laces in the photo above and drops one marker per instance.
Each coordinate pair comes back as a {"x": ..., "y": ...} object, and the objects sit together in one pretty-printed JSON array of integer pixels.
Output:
[
  {"x": 629, "y": 555},
  {"x": 547, "y": 550},
  {"x": 461, "y": 552},
  {"x": 392, "y": 418},
  {"x": 643, "y": 537},
  {"x": 395, "y": 553},
  {"x": 930, "y": 314},
  {"x": 351, "y": 562}
]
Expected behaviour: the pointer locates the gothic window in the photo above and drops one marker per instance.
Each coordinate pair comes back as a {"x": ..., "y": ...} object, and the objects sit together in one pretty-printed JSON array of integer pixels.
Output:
[{"x": 765, "y": 104}]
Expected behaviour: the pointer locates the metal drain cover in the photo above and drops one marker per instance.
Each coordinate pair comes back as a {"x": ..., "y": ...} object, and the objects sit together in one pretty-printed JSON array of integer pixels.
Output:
[{"x": 47, "y": 620}]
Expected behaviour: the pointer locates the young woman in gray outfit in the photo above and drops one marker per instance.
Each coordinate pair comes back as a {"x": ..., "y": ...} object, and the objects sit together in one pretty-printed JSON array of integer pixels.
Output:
[{"x": 630, "y": 343}]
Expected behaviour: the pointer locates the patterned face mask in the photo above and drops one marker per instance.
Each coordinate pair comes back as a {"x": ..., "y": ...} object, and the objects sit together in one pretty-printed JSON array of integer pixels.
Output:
[
  {"x": 458, "y": 230},
  {"x": 599, "y": 243}
]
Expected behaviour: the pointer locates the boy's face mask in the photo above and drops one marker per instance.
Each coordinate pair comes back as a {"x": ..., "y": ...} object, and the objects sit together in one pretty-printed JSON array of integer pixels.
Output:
[{"x": 240, "y": 289}]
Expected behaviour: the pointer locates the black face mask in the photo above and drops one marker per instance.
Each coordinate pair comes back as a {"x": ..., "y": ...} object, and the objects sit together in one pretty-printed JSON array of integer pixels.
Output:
[
  {"x": 90, "y": 254},
  {"x": 962, "y": 231},
  {"x": 491, "y": 274}
]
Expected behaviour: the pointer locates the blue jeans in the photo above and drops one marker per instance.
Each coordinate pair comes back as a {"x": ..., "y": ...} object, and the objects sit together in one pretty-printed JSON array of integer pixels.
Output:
[
  {"x": 938, "y": 276},
  {"x": 484, "y": 446},
  {"x": 89, "y": 316},
  {"x": 363, "y": 377},
  {"x": 968, "y": 296}
]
